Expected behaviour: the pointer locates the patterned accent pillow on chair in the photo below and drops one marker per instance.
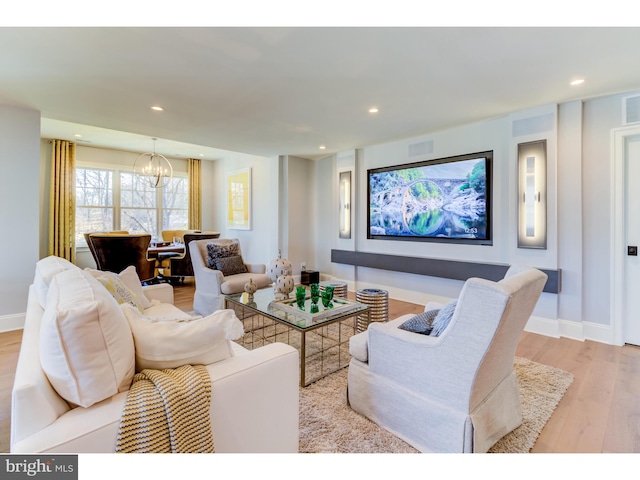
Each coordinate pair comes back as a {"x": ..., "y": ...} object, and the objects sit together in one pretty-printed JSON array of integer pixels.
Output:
[
  {"x": 421, "y": 323},
  {"x": 230, "y": 265},
  {"x": 443, "y": 318},
  {"x": 215, "y": 251}
]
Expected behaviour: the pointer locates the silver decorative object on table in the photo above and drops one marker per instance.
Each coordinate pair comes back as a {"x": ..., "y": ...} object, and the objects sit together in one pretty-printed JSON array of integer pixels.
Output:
[{"x": 250, "y": 287}]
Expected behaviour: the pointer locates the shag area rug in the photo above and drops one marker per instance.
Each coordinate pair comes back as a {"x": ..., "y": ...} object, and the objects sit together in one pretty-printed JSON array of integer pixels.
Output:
[{"x": 329, "y": 425}]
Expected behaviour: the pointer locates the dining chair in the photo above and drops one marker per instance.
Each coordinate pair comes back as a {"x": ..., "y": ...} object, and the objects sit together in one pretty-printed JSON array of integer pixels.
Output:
[
  {"x": 115, "y": 252},
  {"x": 90, "y": 245},
  {"x": 181, "y": 266}
]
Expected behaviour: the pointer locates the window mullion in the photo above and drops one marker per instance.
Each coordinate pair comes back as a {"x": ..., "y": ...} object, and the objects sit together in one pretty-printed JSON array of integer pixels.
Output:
[
  {"x": 159, "y": 211},
  {"x": 116, "y": 201}
]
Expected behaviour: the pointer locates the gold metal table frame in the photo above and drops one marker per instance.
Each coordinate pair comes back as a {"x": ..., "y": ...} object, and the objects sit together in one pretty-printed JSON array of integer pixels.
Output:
[{"x": 323, "y": 344}]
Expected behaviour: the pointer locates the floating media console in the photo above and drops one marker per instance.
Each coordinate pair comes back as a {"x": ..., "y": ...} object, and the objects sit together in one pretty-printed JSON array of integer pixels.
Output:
[{"x": 433, "y": 267}]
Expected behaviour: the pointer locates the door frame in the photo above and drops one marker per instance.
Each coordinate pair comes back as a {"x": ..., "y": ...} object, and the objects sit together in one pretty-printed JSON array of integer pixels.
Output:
[{"x": 618, "y": 231}]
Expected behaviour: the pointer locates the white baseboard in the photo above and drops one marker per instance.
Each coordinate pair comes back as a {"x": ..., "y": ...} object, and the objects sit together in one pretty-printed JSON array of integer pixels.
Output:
[
  {"x": 549, "y": 327},
  {"x": 12, "y": 322},
  {"x": 571, "y": 329}
]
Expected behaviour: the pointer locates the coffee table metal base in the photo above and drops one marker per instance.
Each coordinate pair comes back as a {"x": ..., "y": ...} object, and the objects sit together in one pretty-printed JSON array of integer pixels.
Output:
[{"x": 323, "y": 350}]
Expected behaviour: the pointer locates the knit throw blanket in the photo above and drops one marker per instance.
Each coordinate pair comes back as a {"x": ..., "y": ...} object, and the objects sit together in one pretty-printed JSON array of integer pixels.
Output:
[{"x": 167, "y": 411}]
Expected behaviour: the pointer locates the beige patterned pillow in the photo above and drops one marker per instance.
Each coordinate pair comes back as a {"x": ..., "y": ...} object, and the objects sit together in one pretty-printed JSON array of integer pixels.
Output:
[
  {"x": 129, "y": 277},
  {"x": 116, "y": 287}
]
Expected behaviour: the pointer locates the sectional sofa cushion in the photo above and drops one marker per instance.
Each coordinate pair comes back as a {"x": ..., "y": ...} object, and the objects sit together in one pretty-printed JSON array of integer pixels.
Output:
[
  {"x": 46, "y": 269},
  {"x": 172, "y": 343},
  {"x": 86, "y": 345}
]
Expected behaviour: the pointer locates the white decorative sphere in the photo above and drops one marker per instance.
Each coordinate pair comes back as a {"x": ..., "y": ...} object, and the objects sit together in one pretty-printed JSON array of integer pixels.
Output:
[
  {"x": 284, "y": 286},
  {"x": 278, "y": 267}
]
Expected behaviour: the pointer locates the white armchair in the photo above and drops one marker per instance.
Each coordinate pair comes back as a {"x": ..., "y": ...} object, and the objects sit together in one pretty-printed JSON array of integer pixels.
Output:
[
  {"x": 456, "y": 392},
  {"x": 212, "y": 285}
]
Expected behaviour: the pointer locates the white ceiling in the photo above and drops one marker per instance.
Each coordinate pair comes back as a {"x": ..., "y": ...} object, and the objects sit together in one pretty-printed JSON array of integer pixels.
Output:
[{"x": 288, "y": 90}]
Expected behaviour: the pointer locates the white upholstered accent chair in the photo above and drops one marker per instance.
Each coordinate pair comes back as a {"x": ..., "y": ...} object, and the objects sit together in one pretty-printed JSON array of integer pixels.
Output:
[
  {"x": 212, "y": 285},
  {"x": 456, "y": 392}
]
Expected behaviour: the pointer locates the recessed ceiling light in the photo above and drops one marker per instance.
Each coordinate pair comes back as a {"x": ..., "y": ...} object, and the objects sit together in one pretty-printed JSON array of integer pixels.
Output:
[
  {"x": 77, "y": 135},
  {"x": 202, "y": 154},
  {"x": 157, "y": 108},
  {"x": 373, "y": 110},
  {"x": 578, "y": 81},
  {"x": 322, "y": 147}
]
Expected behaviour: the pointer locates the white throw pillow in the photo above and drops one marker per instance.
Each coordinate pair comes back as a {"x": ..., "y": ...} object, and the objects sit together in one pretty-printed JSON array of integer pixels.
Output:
[
  {"x": 171, "y": 344},
  {"x": 86, "y": 346},
  {"x": 129, "y": 276},
  {"x": 46, "y": 269}
]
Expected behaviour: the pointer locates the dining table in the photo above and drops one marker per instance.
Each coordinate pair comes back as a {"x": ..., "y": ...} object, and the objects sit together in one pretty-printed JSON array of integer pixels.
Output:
[{"x": 154, "y": 250}]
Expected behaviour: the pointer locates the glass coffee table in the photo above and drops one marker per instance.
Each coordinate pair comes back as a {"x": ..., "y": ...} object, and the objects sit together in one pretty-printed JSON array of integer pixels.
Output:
[{"x": 322, "y": 337}]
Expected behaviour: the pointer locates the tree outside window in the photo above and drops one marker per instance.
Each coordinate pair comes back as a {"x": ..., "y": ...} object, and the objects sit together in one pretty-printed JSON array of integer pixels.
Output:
[{"x": 119, "y": 200}]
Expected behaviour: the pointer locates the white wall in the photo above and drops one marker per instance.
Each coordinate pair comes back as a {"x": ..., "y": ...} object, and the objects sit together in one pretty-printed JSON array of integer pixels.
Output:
[
  {"x": 599, "y": 117},
  {"x": 260, "y": 244},
  {"x": 494, "y": 135},
  {"x": 300, "y": 207},
  {"x": 19, "y": 209},
  {"x": 579, "y": 172},
  {"x": 570, "y": 214}
]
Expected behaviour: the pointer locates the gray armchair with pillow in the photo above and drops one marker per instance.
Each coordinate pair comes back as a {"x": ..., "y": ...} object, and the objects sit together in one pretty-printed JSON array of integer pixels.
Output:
[
  {"x": 455, "y": 390},
  {"x": 219, "y": 270}
]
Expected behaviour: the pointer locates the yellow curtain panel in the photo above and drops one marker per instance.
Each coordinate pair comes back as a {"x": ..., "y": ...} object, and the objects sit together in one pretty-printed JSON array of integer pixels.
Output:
[
  {"x": 62, "y": 200},
  {"x": 195, "y": 194}
]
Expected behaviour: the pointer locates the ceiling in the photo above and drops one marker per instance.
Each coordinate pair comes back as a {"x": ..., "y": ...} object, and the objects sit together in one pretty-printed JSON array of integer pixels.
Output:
[{"x": 288, "y": 90}]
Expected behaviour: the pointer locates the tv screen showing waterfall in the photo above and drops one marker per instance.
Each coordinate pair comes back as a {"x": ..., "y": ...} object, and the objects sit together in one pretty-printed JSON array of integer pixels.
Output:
[{"x": 444, "y": 200}]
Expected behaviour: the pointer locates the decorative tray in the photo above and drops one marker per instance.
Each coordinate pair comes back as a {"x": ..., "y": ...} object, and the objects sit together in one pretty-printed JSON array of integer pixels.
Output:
[{"x": 338, "y": 306}]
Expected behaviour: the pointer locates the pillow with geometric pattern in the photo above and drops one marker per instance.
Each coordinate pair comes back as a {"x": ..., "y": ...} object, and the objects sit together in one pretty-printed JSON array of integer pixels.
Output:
[
  {"x": 421, "y": 323},
  {"x": 230, "y": 265},
  {"x": 215, "y": 251}
]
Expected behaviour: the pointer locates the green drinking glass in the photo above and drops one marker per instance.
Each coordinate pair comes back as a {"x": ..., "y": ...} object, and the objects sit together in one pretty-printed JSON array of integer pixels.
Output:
[
  {"x": 315, "y": 292},
  {"x": 301, "y": 296}
]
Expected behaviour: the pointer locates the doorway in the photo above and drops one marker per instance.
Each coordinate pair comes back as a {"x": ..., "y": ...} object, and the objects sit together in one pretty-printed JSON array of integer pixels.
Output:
[{"x": 625, "y": 249}]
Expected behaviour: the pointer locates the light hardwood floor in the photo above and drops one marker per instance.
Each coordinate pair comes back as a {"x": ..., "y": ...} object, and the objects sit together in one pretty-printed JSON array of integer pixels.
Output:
[{"x": 600, "y": 411}]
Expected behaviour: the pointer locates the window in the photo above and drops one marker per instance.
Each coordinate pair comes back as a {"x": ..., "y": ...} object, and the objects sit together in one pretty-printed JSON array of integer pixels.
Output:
[
  {"x": 111, "y": 199},
  {"x": 94, "y": 202}
]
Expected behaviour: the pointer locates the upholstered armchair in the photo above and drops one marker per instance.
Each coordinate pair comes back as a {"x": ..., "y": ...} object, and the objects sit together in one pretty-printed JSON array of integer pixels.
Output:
[
  {"x": 212, "y": 283},
  {"x": 455, "y": 392}
]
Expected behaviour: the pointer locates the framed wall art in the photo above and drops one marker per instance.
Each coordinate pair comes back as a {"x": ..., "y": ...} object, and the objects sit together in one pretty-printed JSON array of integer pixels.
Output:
[{"x": 239, "y": 199}]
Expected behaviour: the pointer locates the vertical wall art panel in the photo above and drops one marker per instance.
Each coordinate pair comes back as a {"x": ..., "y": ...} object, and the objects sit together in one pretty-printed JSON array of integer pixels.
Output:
[
  {"x": 532, "y": 195},
  {"x": 345, "y": 204},
  {"x": 239, "y": 199}
]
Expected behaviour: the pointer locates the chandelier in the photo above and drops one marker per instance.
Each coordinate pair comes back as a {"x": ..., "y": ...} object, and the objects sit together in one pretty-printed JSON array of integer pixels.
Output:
[{"x": 154, "y": 167}]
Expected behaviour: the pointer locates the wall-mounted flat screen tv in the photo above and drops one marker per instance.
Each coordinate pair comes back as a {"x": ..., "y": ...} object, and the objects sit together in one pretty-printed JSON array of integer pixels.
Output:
[{"x": 443, "y": 200}]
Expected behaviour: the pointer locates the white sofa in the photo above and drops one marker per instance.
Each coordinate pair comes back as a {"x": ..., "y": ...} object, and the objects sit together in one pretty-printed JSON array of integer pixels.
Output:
[{"x": 254, "y": 397}]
